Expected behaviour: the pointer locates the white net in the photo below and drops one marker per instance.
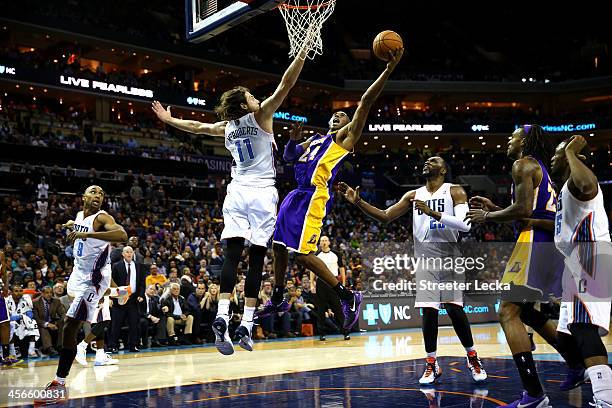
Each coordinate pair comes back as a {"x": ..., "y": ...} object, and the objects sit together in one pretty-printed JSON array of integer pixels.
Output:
[{"x": 304, "y": 20}]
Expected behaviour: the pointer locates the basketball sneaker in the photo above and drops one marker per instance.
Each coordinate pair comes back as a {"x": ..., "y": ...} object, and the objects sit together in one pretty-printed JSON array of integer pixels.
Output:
[
  {"x": 527, "y": 401},
  {"x": 350, "y": 309},
  {"x": 55, "y": 393},
  {"x": 575, "y": 378},
  {"x": 10, "y": 361},
  {"x": 223, "y": 342},
  {"x": 104, "y": 359},
  {"x": 81, "y": 355},
  {"x": 597, "y": 403},
  {"x": 475, "y": 366},
  {"x": 432, "y": 371},
  {"x": 244, "y": 338},
  {"x": 270, "y": 308}
]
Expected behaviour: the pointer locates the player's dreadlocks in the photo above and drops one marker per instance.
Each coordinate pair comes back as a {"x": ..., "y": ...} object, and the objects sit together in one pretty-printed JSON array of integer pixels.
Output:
[
  {"x": 537, "y": 144},
  {"x": 229, "y": 107}
]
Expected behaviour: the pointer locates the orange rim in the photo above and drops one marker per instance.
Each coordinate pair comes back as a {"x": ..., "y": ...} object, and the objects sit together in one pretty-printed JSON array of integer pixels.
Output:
[{"x": 313, "y": 7}]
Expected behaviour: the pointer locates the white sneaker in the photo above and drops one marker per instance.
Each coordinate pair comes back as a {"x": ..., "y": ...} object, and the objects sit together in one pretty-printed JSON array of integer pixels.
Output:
[
  {"x": 81, "y": 355},
  {"x": 432, "y": 371},
  {"x": 104, "y": 359},
  {"x": 475, "y": 366},
  {"x": 597, "y": 403}
]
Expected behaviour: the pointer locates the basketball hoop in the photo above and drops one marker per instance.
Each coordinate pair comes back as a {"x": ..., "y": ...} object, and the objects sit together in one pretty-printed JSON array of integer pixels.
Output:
[{"x": 304, "y": 20}]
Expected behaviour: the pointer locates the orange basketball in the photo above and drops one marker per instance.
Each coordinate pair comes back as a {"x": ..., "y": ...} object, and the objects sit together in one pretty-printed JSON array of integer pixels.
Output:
[{"x": 386, "y": 41}]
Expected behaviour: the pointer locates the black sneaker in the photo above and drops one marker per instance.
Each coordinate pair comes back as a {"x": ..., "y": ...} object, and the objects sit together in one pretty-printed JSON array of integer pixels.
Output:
[
  {"x": 322, "y": 338},
  {"x": 347, "y": 336},
  {"x": 244, "y": 338}
]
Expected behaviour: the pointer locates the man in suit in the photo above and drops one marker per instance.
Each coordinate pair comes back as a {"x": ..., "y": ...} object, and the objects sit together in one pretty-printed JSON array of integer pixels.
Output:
[
  {"x": 152, "y": 319},
  {"x": 127, "y": 273},
  {"x": 49, "y": 314},
  {"x": 195, "y": 302},
  {"x": 117, "y": 253},
  {"x": 177, "y": 313}
]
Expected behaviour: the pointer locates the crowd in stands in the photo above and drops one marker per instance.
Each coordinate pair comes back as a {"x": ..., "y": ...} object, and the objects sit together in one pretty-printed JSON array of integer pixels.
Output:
[{"x": 456, "y": 50}]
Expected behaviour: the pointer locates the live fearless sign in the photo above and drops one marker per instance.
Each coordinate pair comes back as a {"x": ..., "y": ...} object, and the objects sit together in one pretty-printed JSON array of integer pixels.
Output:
[{"x": 105, "y": 86}]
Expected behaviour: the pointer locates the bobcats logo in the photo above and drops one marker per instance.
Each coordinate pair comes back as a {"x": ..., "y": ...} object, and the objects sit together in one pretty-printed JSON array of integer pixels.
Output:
[{"x": 313, "y": 239}]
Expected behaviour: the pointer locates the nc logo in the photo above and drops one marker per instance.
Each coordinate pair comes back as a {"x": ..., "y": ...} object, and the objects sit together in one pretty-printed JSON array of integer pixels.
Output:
[{"x": 384, "y": 311}]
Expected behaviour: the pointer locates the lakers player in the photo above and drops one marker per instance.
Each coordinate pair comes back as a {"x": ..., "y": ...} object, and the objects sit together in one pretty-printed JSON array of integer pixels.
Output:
[
  {"x": 438, "y": 212},
  {"x": 301, "y": 213},
  {"x": 535, "y": 267},
  {"x": 4, "y": 315},
  {"x": 91, "y": 232},
  {"x": 582, "y": 235},
  {"x": 249, "y": 209}
]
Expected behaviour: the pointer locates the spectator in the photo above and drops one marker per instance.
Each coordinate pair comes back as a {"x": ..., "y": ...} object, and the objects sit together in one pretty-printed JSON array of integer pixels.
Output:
[
  {"x": 152, "y": 319},
  {"x": 49, "y": 314},
  {"x": 42, "y": 190},
  {"x": 154, "y": 278},
  {"x": 58, "y": 290},
  {"x": 132, "y": 274},
  {"x": 196, "y": 302},
  {"x": 186, "y": 286},
  {"x": 177, "y": 312},
  {"x": 23, "y": 326},
  {"x": 266, "y": 323}
]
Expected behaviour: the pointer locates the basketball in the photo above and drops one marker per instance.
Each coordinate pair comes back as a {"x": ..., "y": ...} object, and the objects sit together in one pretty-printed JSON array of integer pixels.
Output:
[{"x": 386, "y": 41}]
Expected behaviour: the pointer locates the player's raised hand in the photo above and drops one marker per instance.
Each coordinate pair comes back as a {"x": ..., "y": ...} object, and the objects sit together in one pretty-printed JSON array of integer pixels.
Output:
[
  {"x": 576, "y": 145},
  {"x": 74, "y": 235},
  {"x": 481, "y": 203},
  {"x": 394, "y": 58},
  {"x": 296, "y": 131},
  {"x": 476, "y": 216},
  {"x": 163, "y": 114},
  {"x": 422, "y": 206},
  {"x": 69, "y": 225},
  {"x": 351, "y": 195}
]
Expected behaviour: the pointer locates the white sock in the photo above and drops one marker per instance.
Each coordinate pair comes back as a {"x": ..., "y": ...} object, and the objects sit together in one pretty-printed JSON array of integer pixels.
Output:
[
  {"x": 223, "y": 309},
  {"x": 100, "y": 354},
  {"x": 468, "y": 349},
  {"x": 31, "y": 347},
  {"x": 601, "y": 382},
  {"x": 247, "y": 317},
  {"x": 12, "y": 350},
  {"x": 82, "y": 344},
  {"x": 60, "y": 380},
  {"x": 433, "y": 354}
]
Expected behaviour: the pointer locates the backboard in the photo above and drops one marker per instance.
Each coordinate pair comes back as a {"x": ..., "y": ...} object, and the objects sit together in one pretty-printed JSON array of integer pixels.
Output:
[{"x": 205, "y": 19}]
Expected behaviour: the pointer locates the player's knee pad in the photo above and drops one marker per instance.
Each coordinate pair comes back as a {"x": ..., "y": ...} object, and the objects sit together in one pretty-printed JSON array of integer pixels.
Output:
[
  {"x": 588, "y": 339},
  {"x": 532, "y": 317},
  {"x": 97, "y": 329}
]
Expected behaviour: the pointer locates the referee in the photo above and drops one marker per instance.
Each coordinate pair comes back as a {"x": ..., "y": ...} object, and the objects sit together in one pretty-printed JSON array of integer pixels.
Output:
[{"x": 324, "y": 296}]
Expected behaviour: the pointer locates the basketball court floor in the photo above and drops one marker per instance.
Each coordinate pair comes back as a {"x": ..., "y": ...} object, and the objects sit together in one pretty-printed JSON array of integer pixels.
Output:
[{"x": 376, "y": 369}]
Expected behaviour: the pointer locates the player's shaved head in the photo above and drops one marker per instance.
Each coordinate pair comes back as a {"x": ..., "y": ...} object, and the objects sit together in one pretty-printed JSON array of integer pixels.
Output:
[
  {"x": 93, "y": 188},
  {"x": 93, "y": 197}
]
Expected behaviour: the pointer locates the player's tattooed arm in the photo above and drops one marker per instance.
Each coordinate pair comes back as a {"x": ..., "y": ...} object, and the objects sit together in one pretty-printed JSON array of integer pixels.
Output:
[
  {"x": 548, "y": 225},
  {"x": 582, "y": 181},
  {"x": 395, "y": 211},
  {"x": 349, "y": 135},
  {"x": 191, "y": 126},
  {"x": 483, "y": 203},
  {"x": 523, "y": 171},
  {"x": 111, "y": 231}
]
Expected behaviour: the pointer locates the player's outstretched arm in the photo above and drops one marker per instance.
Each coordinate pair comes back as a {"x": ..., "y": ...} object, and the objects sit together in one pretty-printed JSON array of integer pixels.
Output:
[
  {"x": 581, "y": 179},
  {"x": 522, "y": 175},
  {"x": 349, "y": 135},
  {"x": 395, "y": 211},
  {"x": 191, "y": 126},
  {"x": 112, "y": 232},
  {"x": 265, "y": 114}
]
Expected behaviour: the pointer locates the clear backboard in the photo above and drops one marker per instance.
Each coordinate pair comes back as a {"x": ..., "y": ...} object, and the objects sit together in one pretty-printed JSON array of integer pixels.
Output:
[{"x": 205, "y": 19}]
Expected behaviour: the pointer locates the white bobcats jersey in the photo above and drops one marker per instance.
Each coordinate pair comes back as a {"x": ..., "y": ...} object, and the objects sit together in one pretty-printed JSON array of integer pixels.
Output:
[
  {"x": 428, "y": 229},
  {"x": 579, "y": 221},
  {"x": 253, "y": 151},
  {"x": 90, "y": 255}
]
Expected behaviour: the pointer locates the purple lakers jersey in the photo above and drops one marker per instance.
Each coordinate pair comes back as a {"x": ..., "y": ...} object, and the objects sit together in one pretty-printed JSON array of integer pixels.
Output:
[
  {"x": 544, "y": 203},
  {"x": 319, "y": 164}
]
